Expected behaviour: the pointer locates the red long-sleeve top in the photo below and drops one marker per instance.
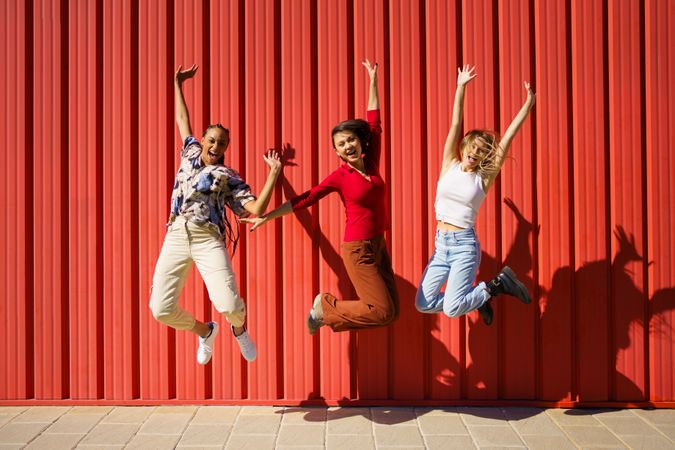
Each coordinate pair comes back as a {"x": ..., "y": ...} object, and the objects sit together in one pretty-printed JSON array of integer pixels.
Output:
[{"x": 365, "y": 208}]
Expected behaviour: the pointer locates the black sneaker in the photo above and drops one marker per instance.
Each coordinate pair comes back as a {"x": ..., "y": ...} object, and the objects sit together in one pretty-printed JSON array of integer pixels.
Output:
[
  {"x": 507, "y": 283},
  {"x": 486, "y": 313}
]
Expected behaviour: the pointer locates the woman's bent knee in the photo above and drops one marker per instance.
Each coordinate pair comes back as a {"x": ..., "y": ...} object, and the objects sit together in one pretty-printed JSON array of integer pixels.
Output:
[{"x": 422, "y": 304}]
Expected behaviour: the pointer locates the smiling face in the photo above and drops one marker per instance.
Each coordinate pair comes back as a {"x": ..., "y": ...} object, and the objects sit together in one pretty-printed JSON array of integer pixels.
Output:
[
  {"x": 348, "y": 146},
  {"x": 473, "y": 154},
  {"x": 214, "y": 143},
  {"x": 478, "y": 150}
]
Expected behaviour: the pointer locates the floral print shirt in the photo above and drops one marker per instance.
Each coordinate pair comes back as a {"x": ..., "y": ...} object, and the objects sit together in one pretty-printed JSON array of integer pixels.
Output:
[{"x": 201, "y": 192}]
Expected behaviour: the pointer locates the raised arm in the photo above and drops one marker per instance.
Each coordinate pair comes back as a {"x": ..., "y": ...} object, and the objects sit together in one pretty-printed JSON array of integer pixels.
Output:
[
  {"x": 373, "y": 97},
  {"x": 505, "y": 143},
  {"x": 464, "y": 75},
  {"x": 182, "y": 116},
  {"x": 259, "y": 205}
]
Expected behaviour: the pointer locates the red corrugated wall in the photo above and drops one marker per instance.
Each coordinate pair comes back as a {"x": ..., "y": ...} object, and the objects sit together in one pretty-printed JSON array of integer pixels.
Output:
[{"x": 583, "y": 211}]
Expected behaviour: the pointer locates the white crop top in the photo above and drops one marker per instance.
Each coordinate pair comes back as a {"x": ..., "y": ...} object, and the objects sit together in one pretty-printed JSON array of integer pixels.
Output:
[{"x": 458, "y": 197}]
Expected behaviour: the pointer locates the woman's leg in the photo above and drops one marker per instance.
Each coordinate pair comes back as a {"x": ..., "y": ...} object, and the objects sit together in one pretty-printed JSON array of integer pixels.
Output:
[
  {"x": 460, "y": 297},
  {"x": 171, "y": 271},
  {"x": 210, "y": 255},
  {"x": 369, "y": 268},
  {"x": 429, "y": 298}
]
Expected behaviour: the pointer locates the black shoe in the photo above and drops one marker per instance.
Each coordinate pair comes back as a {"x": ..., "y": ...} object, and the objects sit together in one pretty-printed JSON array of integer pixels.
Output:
[
  {"x": 507, "y": 283},
  {"x": 486, "y": 313}
]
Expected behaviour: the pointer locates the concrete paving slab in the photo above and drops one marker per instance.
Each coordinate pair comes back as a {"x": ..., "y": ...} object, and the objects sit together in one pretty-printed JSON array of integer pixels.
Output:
[
  {"x": 304, "y": 415},
  {"x": 393, "y": 416},
  {"x": 176, "y": 409},
  {"x": 621, "y": 425},
  {"x": 102, "y": 410},
  {"x": 657, "y": 416},
  {"x": 55, "y": 441},
  {"x": 591, "y": 436},
  {"x": 482, "y": 416},
  {"x": 398, "y": 435},
  {"x": 20, "y": 433},
  {"x": 255, "y": 410},
  {"x": 450, "y": 424},
  {"x": 12, "y": 410},
  {"x": 346, "y": 424},
  {"x": 216, "y": 415},
  {"x": 535, "y": 442},
  {"x": 129, "y": 414},
  {"x": 443, "y": 411},
  {"x": 350, "y": 442},
  {"x": 153, "y": 441},
  {"x": 539, "y": 424},
  {"x": 302, "y": 435},
  {"x": 250, "y": 442},
  {"x": 202, "y": 435},
  {"x": 165, "y": 423},
  {"x": 110, "y": 434},
  {"x": 642, "y": 442},
  {"x": 573, "y": 417},
  {"x": 44, "y": 414},
  {"x": 75, "y": 423},
  {"x": 257, "y": 424},
  {"x": 495, "y": 436},
  {"x": 437, "y": 442},
  {"x": 667, "y": 430}
]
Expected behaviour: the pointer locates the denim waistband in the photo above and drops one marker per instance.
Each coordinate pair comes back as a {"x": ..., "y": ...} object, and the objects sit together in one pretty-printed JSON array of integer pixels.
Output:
[{"x": 467, "y": 232}]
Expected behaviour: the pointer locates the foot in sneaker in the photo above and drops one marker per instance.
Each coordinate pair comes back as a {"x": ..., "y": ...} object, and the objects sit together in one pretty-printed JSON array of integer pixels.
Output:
[
  {"x": 205, "y": 349},
  {"x": 246, "y": 345},
  {"x": 507, "y": 283},
  {"x": 486, "y": 313},
  {"x": 315, "y": 316}
]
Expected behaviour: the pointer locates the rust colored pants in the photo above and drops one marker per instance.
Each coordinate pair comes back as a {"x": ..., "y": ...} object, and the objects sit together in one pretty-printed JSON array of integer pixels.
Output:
[{"x": 369, "y": 268}]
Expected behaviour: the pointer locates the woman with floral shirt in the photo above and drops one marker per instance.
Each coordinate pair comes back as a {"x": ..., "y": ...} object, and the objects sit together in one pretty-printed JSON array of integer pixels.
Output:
[{"x": 196, "y": 230}]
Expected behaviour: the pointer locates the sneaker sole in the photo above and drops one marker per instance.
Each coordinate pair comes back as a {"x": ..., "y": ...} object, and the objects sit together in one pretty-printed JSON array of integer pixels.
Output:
[
  {"x": 524, "y": 294},
  {"x": 310, "y": 320},
  {"x": 310, "y": 326}
]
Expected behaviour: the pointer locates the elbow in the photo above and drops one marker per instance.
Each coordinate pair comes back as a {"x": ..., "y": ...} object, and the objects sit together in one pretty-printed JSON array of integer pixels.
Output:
[{"x": 256, "y": 209}]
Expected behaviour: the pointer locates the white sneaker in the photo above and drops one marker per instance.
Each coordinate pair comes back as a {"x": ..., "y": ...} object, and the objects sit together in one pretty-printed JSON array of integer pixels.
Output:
[
  {"x": 206, "y": 344},
  {"x": 315, "y": 316},
  {"x": 246, "y": 345}
]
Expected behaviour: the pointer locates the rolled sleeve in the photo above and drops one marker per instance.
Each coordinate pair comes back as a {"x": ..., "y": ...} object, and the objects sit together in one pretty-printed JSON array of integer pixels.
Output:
[{"x": 240, "y": 194}]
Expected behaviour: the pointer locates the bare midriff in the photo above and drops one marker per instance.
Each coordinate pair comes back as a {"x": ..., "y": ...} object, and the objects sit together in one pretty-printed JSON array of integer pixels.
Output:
[{"x": 443, "y": 226}]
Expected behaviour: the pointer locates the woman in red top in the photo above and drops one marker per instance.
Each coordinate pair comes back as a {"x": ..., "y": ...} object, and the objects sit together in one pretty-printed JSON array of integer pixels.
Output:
[{"x": 364, "y": 252}]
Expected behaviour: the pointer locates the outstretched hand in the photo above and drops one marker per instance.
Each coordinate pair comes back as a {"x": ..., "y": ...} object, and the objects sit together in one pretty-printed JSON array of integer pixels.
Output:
[
  {"x": 464, "y": 75},
  {"x": 182, "y": 75},
  {"x": 256, "y": 221},
  {"x": 272, "y": 159},
  {"x": 371, "y": 68}
]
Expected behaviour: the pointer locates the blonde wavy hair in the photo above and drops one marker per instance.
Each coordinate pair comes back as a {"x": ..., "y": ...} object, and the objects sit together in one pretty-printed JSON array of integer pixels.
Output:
[{"x": 489, "y": 166}]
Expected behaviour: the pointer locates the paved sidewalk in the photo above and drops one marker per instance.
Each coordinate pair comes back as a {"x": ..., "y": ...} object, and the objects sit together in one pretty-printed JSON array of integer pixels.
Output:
[{"x": 252, "y": 427}]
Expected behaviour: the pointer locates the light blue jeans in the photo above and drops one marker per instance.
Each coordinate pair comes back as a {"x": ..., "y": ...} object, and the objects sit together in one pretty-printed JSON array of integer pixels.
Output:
[{"x": 456, "y": 259}]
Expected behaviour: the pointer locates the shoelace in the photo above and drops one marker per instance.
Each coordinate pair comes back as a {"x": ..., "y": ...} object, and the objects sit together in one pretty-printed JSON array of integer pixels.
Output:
[{"x": 203, "y": 347}]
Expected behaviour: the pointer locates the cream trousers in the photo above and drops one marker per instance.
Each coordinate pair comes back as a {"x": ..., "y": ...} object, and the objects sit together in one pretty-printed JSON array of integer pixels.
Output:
[{"x": 186, "y": 242}]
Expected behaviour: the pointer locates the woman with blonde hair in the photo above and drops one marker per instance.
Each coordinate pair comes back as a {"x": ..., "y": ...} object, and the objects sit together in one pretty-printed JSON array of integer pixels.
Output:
[{"x": 462, "y": 186}]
